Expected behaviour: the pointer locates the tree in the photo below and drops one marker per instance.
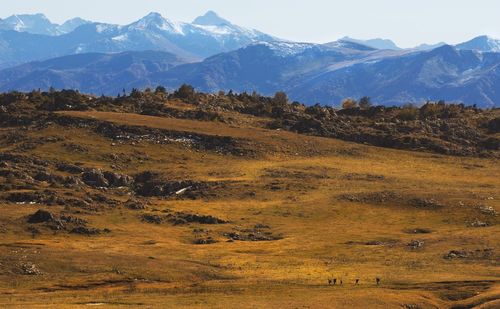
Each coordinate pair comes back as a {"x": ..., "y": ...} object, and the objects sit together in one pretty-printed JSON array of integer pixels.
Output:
[
  {"x": 349, "y": 103},
  {"x": 280, "y": 98},
  {"x": 185, "y": 92},
  {"x": 365, "y": 102},
  {"x": 160, "y": 89}
]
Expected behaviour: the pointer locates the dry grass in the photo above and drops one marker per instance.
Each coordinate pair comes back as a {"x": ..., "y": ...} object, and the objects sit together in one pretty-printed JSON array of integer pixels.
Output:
[{"x": 324, "y": 236}]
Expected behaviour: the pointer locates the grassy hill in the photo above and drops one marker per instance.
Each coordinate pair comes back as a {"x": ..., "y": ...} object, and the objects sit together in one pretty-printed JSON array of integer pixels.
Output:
[{"x": 196, "y": 207}]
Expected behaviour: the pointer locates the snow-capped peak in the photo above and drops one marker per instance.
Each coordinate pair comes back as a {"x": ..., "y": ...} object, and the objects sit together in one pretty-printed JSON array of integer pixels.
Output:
[
  {"x": 36, "y": 23},
  {"x": 211, "y": 19},
  {"x": 156, "y": 21}
]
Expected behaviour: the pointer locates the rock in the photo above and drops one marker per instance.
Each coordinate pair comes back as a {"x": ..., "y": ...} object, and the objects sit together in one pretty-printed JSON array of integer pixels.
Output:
[
  {"x": 72, "y": 181},
  {"x": 204, "y": 241},
  {"x": 456, "y": 254},
  {"x": 83, "y": 230},
  {"x": 251, "y": 235},
  {"x": 41, "y": 216},
  {"x": 259, "y": 226},
  {"x": 199, "y": 218},
  {"x": 73, "y": 220},
  {"x": 155, "y": 219},
  {"x": 475, "y": 254},
  {"x": 135, "y": 205},
  {"x": 95, "y": 178},
  {"x": 419, "y": 231},
  {"x": 47, "y": 177},
  {"x": 118, "y": 180},
  {"x": 29, "y": 269},
  {"x": 69, "y": 168},
  {"x": 478, "y": 223},
  {"x": 488, "y": 210},
  {"x": 415, "y": 244},
  {"x": 425, "y": 203}
]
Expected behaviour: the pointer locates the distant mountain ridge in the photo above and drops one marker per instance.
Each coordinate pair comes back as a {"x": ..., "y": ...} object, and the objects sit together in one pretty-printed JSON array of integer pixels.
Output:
[
  {"x": 309, "y": 73},
  {"x": 212, "y": 54},
  {"x": 208, "y": 35}
]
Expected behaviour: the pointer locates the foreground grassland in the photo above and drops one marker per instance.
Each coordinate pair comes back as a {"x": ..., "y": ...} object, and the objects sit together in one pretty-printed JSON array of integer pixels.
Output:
[{"x": 321, "y": 209}]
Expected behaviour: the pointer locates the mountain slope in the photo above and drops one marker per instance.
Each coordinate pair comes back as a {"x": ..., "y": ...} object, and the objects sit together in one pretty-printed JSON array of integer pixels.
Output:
[
  {"x": 482, "y": 43},
  {"x": 309, "y": 73},
  {"x": 94, "y": 72}
]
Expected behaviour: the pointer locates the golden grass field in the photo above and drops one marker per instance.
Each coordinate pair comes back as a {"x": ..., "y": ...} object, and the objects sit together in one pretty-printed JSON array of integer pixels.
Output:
[{"x": 294, "y": 184}]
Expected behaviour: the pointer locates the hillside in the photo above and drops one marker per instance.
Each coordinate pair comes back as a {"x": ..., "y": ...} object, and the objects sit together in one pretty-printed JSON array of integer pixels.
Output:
[
  {"x": 330, "y": 73},
  {"x": 196, "y": 200},
  {"x": 309, "y": 73},
  {"x": 93, "y": 72}
]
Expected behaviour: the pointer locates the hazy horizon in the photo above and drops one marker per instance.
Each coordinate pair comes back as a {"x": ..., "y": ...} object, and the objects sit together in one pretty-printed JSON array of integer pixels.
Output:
[{"x": 317, "y": 21}]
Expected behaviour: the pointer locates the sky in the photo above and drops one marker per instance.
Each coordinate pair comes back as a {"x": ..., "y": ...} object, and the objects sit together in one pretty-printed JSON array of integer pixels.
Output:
[{"x": 406, "y": 22}]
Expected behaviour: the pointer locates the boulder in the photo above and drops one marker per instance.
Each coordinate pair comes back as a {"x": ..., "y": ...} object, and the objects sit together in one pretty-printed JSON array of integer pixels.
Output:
[
  {"x": 95, "y": 178},
  {"x": 41, "y": 216}
]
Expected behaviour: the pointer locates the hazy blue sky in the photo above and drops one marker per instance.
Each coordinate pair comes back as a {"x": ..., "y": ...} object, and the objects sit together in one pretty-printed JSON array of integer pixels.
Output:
[{"x": 407, "y": 22}]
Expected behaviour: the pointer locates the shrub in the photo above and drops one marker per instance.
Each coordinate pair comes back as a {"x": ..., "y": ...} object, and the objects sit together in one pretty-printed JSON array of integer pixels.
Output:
[
  {"x": 349, "y": 103},
  {"x": 408, "y": 112}
]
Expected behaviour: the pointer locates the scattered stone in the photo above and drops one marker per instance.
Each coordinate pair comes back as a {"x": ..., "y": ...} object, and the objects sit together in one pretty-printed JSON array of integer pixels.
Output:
[
  {"x": 72, "y": 181},
  {"x": 255, "y": 234},
  {"x": 135, "y": 205},
  {"x": 29, "y": 269},
  {"x": 425, "y": 203},
  {"x": 261, "y": 226},
  {"x": 204, "y": 241},
  {"x": 184, "y": 218},
  {"x": 415, "y": 244},
  {"x": 478, "y": 223},
  {"x": 419, "y": 231},
  {"x": 456, "y": 254},
  {"x": 95, "y": 178},
  {"x": 488, "y": 210},
  {"x": 118, "y": 180},
  {"x": 73, "y": 220},
  {"x": 464, "y": 254},
  {"x": 83, "y": 230},
  {"x": 365, "y": 177},
  {"x": 69, "y": 168},
  {"x": 154, "y": 219},
  {"x": 149, "y": 184}
]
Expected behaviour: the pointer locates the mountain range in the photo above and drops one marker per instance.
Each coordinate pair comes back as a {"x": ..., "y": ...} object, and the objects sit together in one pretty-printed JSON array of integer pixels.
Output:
[
  {"x": 213, "y": 54},
  {"x": 34, "y": 38}
]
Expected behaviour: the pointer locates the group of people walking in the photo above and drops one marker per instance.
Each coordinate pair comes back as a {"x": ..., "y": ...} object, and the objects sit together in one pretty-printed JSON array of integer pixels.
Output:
[{"x": 356, "y": 281}]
